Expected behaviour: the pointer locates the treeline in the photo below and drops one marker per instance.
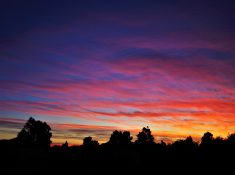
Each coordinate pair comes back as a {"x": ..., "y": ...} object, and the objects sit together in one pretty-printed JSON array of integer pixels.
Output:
[
  {"x": 32, "y": 147},
  {"x": 38, "y": 134}
]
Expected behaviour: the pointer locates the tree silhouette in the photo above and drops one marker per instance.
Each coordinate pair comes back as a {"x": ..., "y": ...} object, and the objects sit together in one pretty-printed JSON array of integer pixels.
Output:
[
  {"x": 65, "y": 145},
  {"x": 231, "y": 139},
  {"x": 120, "y": 138},
  {"x": 189, "y": 142},
  {"x": 206, "y": 139},
  {"x": 35, "y": 133},
  {"x": 187, "y": 145},
  {"x": 145, "y": 136},
  {"x": 118, "y": 153},
  {"x": 163, "y": 144},
  {"x": 218, "y": 140},
  {"x": 88, "y": 142}
]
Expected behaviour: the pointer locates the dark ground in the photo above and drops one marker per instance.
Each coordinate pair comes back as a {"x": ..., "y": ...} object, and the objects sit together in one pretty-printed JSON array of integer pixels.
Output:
[{"x": 112, "y": 159}]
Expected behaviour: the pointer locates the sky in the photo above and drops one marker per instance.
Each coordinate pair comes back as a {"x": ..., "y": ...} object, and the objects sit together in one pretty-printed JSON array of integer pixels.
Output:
[{"x": 88, "y": 68}]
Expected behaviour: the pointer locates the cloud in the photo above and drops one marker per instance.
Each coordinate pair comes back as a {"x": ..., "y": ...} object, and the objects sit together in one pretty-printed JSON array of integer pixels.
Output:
[
  {"x": 154, "y": 87},
  {"x": 129, "y": 69}
]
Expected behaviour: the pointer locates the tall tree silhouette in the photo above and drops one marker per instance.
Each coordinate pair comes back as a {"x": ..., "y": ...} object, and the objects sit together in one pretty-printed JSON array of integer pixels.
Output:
[
  {"x": 35, "y": 133},
  {"x": 145, "y": 136}
]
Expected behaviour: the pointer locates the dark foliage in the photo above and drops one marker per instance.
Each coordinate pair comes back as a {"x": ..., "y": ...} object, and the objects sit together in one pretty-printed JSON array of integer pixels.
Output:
[
  {"x": 35, "y": 133},
  {"x": 145, "y": 136},
  {"x": 88, "y": 142},
  {"x": 120, "y": 138},
  {"x": 26, "y": 154}
]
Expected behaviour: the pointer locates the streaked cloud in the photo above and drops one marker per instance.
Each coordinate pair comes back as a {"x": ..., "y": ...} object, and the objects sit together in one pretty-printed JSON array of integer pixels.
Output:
[{"x": 118, "y": 66}]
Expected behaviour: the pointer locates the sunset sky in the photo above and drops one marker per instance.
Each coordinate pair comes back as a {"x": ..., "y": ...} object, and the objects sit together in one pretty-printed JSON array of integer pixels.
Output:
[{"x": 90, "y": 67}]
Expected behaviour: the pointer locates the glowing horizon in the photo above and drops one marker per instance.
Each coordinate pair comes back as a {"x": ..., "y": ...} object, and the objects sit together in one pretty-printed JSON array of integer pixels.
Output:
[{"x": 88, "y": 69}]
